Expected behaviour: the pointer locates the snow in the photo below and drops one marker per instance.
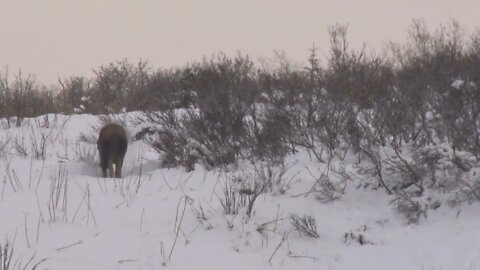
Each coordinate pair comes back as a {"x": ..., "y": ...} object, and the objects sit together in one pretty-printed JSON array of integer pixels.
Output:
[
  {"x": 429, "y": 116},
  {"x": 457, "y": 84},
  {"x": 131, "y": 223}
]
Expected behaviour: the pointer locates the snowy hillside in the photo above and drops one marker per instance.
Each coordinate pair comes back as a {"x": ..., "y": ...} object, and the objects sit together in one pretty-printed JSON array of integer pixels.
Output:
[{"x": 57, "y": 211}]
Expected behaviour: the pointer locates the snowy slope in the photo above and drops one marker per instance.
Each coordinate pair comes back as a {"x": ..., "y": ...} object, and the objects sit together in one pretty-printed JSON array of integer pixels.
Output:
[{"x": 54, "y": 204}]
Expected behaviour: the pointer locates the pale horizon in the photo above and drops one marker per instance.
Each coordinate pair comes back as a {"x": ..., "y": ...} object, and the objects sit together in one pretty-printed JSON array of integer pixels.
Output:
[{"x": 61, "y": 38}]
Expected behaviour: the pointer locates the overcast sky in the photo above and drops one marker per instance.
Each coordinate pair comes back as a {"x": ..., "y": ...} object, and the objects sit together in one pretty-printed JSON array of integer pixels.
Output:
[{"x": 53, "y": 38}]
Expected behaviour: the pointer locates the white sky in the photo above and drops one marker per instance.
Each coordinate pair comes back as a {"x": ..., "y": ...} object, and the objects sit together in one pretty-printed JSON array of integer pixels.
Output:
[{"x": 52, "y": 38}]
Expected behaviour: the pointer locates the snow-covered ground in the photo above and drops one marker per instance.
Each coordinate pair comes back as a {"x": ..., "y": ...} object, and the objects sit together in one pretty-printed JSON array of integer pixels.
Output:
[{"x": 60, "y": 210}]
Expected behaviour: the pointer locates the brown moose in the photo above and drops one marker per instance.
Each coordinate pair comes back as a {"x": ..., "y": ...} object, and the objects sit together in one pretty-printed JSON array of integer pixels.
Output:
[{"x": 112, "y": 146}]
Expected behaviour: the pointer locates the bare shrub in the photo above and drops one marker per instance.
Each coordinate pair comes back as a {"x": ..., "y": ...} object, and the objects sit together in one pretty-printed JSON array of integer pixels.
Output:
[
  {"x": 327, "y": 191},
  {"x": 23, "y": 97},
  {"x": 230, "y": 199},
  {"x": 9, "y": 260},
  {"x": 20, "y": 146},
  {"x": 86, "y": 153},
  {"x": 411, "y": 174},
  {"x": 412, "y": 210},
  {"x": 271, "y": 177},
  {"x": 112, "y": 80},
  {"x": 225, "y": 89},
  {"x": 39, "y": 141},
  {"x": 90, "y": 136},
  {"x": 12, "y": 177},
  {"x": 442, "y": 166},
  {"x": 330, "y": 126},
  {"x": 270, "y": 135},
  {"x": 216, "y": 144},
  {"x": 305, "y": 225},
  {"x": 468, "y": 191},
  {"x": 249, "y": 192},
  {"x": 200, "y": 214},
  {"x": 72, "y": 97},
  {"x": 372, "y": 152},
  {"x": 169, "y": 138},
  {"x": 357, "y": 238},
  {"x": 57, "y": 202},
  {"x": 240, "y": 193},
  {"x": 324, "y": 189}
]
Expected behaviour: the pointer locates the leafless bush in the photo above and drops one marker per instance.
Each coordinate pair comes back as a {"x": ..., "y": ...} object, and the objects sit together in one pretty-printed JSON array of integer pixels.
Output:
[
  {"x": 272, "y": 177},
  {"x": 249, "y": 192},
  {"x": 372, "y": 152},
  {"x": 4, "y": 144},
  {"x": 200, "y": 214},
  {"x": 57, "y": 202},
  {"x": 90, "y": 136},
  {"x": 323, "y": 188},
  {"x": 20, "y": 146},
  {"x": 239, "y": 193},
  {"x": 23, "y": 97},
  {"x": 129, "y": 185},
  {"x": 39, "y": 142},
  {"x": 86, "y": 147},
  {"x": 12, "y": 177},
  {"x": 225, "y": 88},
  {"x": 410, "y": 173},
  {"x": 169, "y": 138},
  {"x": 34, "y": 144},
  {"x": 330, "y": 126},
  {"x": 120, "y": 118},
  {"x": 216, "y": 144},
  {"x": 72, "y": 97},
  {"x": 411, "y": 209},
  {"x": 46, "y": 121},
  {"x": 305, "y": 225},
  {"x": 468, "y": 191},
  {"x": 269, "y": 134},
  {"x": 86, "y": 200},
  {"x": 358, "y": 238},
  {"x": 179, "y": 215},
  {"x": 230, "y": 199},
  {"x": 10, "y": 261},
  {"x": 86, "y": 153},
  {"x": 327, "y": 191}
]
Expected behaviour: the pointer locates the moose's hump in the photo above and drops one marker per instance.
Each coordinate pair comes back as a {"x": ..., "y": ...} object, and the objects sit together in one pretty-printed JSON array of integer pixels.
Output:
[{"x": 110, "y": 131}]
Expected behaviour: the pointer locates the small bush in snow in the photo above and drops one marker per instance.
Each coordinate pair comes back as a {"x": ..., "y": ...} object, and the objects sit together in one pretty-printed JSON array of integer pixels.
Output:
[
  {"x": 230, "y": 199},
  {"x": 327, "y": 191},
  {"x": 444, "y": 166},
  {"x": 305, "y": 225},
  {"x": 57, "y": 202},
  {"x": 86, "y": 153},
  {"x": 412, "y": 210},
  {"x": 10, "y": 261},
  {"x": 200, "y": 214},
  {"x": 169, "y": 138},
  {"x": 372, "y": 153},
  {"x": 410, "y": 173},
  {"x": 239, "y": 192},
  {"x": 353, "y": 237},
  {"x": 272, "y": 178},
  {"x": 469, "y": 188},
  {"x": 269, "y": 133}
]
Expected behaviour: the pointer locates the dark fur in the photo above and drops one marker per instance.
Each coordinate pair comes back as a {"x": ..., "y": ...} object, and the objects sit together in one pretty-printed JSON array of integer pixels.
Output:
[{"x": 112, "y": 146}]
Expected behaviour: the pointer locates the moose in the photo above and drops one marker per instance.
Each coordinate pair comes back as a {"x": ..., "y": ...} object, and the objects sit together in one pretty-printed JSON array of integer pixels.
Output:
[{"x": 112, "y": 146}]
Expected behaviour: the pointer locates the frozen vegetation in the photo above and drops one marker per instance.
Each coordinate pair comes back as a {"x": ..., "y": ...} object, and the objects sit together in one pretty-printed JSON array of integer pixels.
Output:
[{"x": 57, "y": 211}]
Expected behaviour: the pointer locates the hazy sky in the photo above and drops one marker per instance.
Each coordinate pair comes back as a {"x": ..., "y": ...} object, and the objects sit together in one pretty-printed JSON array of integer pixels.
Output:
[{"x": 52, "y": 38}]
